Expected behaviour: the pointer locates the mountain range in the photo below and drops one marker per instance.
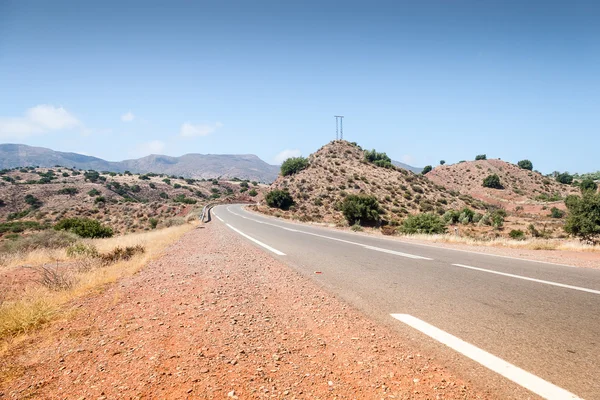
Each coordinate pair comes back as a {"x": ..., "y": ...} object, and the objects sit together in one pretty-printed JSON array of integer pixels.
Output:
[{"x": 243, "y": 166}]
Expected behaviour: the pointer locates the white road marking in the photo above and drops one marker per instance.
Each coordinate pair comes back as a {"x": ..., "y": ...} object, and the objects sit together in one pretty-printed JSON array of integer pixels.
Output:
[
  {"x": 582, "y": 289},
  {"x": 219, "y": 218},
  {"x": 258, "y": 242},
  {"x": 397, "y": 253},
  {"x": 519, "y": 376}
]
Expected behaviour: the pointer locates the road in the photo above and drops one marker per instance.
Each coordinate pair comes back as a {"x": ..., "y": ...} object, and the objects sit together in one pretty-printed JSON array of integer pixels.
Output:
[{"x": 519, "y": 328}]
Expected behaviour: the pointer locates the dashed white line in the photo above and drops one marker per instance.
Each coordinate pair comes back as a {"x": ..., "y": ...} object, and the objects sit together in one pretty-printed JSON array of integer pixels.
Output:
[
  {"x": 397, "y": 253},
  {"x": 581, "y": 289},
  {"x": 519, "y": 376},
  {"x": 258, "y": 242}
]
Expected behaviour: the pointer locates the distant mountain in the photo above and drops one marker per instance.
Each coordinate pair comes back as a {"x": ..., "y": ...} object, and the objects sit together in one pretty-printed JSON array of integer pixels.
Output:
[
  {"x": 244, "y": 166},
  {"x": 416, "y": 170}
]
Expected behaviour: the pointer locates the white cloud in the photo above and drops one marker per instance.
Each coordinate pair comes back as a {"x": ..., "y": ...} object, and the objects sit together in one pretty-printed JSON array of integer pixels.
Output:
[
  {"x": 285, "y": 154},
  {"x": 190, "y": 130},
  {"x": 147, "y": 148},
  {"x": 127, "y": 117},
  {"x": 40, "y": 119}
]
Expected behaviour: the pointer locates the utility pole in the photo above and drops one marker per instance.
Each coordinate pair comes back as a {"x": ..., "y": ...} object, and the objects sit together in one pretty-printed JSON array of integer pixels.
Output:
[{"x": 339, "y": 134}]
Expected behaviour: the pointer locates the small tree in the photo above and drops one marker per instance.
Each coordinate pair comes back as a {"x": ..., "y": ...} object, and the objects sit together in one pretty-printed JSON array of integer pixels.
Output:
[
  {"x": 293, "y": 165},
  {"x": 84, "y": 227},
  {"x": 525, "y": 164},
  {"x": 361, "y": 209},
  {"x": 423, "y": 223},
  {"x": 442, "y": 162},
  {"x": 588, "y": 184},
  {"x": 279, "y": 199},
  {"x": 583, "y": 219},
  {"x": 481, "y": 157},
  {"x": 379, "y": 159},
  {"x": 252, "y": 192},
  {"x": 492, "y": 181},
  {"x": 564, "y": 178},
  {"x": 426, "y": 169}
]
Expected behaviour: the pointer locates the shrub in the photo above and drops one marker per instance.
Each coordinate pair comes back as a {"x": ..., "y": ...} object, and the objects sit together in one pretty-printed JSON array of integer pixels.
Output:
[
  {"x": 244, "y": 185},
  {"x": 136, "y": 188},
  {"x": 426, "y": 169},
  {"x": 389, "y": 230},
  {"x": 356, "y": 228},
  {"x": 279, "y": 199},
  {"x": 82, "y": 250},
  {"x": 163, "y": 195},
  {"x": 152, "y": 185},
  {"x": 525, "y": 164},
  {"x": 71, "y": 191},
  {"x": 167, "y": 181},
  {"x": 361, "y": 209},
  {"x": 93, "y": 192},
  {"x": 33, "y": 201},
  {"x": 517, "y": 234},
  {"x": 99, "y": 199},
  {"x": 442, "y": 162},
  {"x": 252, "y": 192},
  {"x": 481, "y": 157},
  {"x": 144, "y": 177},
  {"x": 42, "y": 240},
  {"x": 180, "y": 198},
  {"x": 177, "y": 186},
  {"x": 379, "y": 159},
  {"x": 423, "y": 223},
  {"x": 583, "y": 219},
  {"x": 588, "y": 184},
  {"x": 153, "y": 223},
  {"x": 492, "y": 181},
  {"x": 564, "y": 178},
  {"x": 91, "y": 176},
  {"x": 84, "y": 227},
  {"x": 2, "y": 203},
  {"x": 466, "y": 216},
  {"x": 122, "y": 254},
  {"x": 20, "y": 226},
  {"x": 556, "y": 213},
  {"x": 293, "y": 165},
  {"x": 451, "y": 216}
]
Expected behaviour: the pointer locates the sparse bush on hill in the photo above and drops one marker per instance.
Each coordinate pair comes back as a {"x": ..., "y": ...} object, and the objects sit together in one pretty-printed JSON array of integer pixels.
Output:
[
  {"x": 379, "y": 159},
  {"x": 494, "y": 218},
  {"x": 71, "y": 191},
  {"x": 33, "y": 202},
  {"x": 91, "y": 176},
  {"x": 564, "y": 178},
  {"x": 152, "y": 185},
  {"x": 525, "y": 164},
  {"x": 428, "y": 223},
  {"x": 442, "y": 162},
  {"x": 180, "y": 198},
  {"x": 517, "y": 234},
  {"x": 84, "y": 227},
  {"x": 492, "y": 181},
  {"x": 583, "y": 219},
  {"x": 94, "y": 192},
  {"x": 42, "y": 240},
  {"x": 588, "y": 184},
  {"x": 252, "y": 192},
  {"x": 293, "y": 165},
  {"x": 481, "y": 157},
  {"x": 361, "y": 209},
  {"x": 153, "y": 223},
  {"x": 279, "y": 199},
  {"x": 163, "y": 195},
  {"x": 2, "y": 203},
  {"x": 426, "y": 169},
  {"x": 167, "y": 181},
  {"x": 556, "y": 213}
]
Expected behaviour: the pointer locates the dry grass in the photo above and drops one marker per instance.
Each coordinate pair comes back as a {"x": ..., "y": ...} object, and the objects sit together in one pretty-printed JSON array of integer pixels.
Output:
[{"x": 39, "y": 305}]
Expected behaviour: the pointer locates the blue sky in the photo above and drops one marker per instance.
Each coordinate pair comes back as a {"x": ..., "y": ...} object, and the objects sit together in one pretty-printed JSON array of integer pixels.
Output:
[{"x": 421, "y": 80}]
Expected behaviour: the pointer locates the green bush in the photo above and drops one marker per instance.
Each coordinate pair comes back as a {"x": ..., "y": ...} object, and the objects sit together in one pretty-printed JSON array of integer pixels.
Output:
[
  {"x": 379, "y": 159},
  {"x": 451, "y": 216},
  {"x": 525, "y": 164},
  {"x": 163, "y": 195},
  {"x": 84, "y": 227},
  {"x": 588, "y": 184},
  {"x": 426, "y": 169},
  {"x": 180, "y": 198},
  {"x": 91, "y": 176},
  {"x": 33, "y": 202},
  {"x": 556, "y": 213},
  {"x": 252, "y": 192},
  {"x": 153, "y": 223},
  {"x": 583, "y": 219},
  {"x": 71, "y": 191},
  {"x": 442, "y": 162},
  {"x": 177, "y": 186},
  {"x": 517, "y": 234},
  {"x": 20, "y": 226},
  {"x": 293, "y": 165},
  {"x": 42, "y": 240},
  {"x": 564, "y": 178},
  {"x": 82, "y": 250},
  {"x": 279, "y": 199},
  {"x": 94, "y": 192},
  {"x": 492, "y": 181},
  {"x": 152, "y": 185},
  {"x": 99, "y": 199},
  {"x": 361, "y": 209},
  {"x": 423, "y": 223},
  {"x": 481, "y": 157}
]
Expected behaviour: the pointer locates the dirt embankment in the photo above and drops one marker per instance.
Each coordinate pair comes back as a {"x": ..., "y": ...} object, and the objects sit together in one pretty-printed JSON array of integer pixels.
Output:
[{"x": 218, "y": 318}]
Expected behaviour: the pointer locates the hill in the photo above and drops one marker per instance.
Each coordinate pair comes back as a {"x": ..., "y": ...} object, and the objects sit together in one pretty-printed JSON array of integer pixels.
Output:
[
  {"x": 399, "y": 164},
  {"x": 198, "y": 166},
  {"x": 529, "y": 191},
  {"x": 339, "y": 169}
]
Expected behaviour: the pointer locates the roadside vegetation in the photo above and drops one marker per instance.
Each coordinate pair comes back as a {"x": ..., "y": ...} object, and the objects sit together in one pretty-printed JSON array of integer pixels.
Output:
[{"x": 293, "y": 165}]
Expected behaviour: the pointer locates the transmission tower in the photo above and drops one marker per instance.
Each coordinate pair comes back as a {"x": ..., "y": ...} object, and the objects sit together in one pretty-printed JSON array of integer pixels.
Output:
[{"x": 339, "y": 133}]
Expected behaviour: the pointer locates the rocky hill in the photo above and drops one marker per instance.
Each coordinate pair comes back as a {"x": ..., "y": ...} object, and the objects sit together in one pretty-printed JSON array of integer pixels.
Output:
[
  {"x": 339, "y": 169},
  {"x": 37, "y": 198},
  {"x": 529, "y": 191},
  {"x": 225, "y": 166}
]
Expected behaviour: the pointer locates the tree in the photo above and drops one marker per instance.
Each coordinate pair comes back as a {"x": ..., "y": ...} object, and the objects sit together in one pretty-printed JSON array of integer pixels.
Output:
[
  {"x": 293, "y": 165},
  {"x": 583, "y": 219},
  {"x": 361, "y": 209},
  {"x": 91, "y": 176},
  {"x": 379, "y": 159},
  {"x": 442, "y": 162},
  {"x": 525, "y": 164},
  {"x": 564, "y": 178},
  {"x": 279, "y": 199},
  {"x": 492, "y": 181},
  {"x": 588, "y": 184},
  {"x": 426, "y": 169},
  {"x": 481, "y": 157},
  {"x": 423, "y": 223}
]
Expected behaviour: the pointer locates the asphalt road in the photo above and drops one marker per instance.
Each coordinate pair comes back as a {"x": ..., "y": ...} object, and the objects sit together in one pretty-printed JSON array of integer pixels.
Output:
[{"x": 518, "y": 328}]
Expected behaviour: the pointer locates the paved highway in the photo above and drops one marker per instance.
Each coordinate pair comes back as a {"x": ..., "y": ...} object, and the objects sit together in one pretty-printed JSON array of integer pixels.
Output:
[{"x": 521, "y": 329}]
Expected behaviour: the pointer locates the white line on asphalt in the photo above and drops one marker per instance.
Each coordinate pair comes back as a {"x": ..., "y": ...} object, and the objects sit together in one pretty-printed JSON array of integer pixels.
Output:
[
  {"x": 519, "y": 376},
  {"x": 397, "y": 253},
  {"x": 219, "y": 218},
  {"x": 258, "y": 242},
  {"x": 582, "y": 289}
]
